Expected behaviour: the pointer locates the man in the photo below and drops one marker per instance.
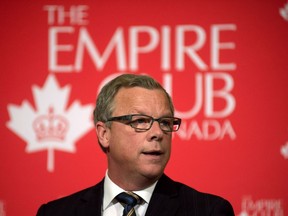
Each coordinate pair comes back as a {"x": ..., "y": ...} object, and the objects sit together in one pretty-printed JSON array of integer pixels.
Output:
[{"x": 134, "y": 119}]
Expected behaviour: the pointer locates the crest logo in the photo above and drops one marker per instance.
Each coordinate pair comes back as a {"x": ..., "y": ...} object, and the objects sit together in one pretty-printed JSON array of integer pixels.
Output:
[
  {"x": 2, "y": 210},
  {"x": 284, "y": 150},
  {"x": 52, "y": 126},
  {"x": 263, "y": 207},
  {"x": 284, "y": 12}
]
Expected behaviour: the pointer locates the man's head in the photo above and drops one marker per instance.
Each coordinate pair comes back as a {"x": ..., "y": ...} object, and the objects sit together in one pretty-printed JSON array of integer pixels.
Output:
[
  {"x": 137, "y": 147},
  {"x": 105, "y": 101}
]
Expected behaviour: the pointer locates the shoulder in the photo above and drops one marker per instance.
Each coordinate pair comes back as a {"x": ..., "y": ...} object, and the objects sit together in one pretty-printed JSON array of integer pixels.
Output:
[
  {"x": 68, "y": 204},
  {"x": 207, "y": 201},
  {"x": 75, "y": 197},
  {"x": 195, "y": 200}
]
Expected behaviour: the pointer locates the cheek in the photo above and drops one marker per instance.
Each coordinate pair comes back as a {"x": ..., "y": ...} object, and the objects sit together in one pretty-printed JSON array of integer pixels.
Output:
[
  {"x": 125, "y": 143},
  {"x": 167, "y": 138}
]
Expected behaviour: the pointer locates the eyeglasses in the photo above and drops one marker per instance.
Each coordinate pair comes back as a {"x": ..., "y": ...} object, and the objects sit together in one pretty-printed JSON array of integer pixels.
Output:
[{"x": 143, "y": 122}]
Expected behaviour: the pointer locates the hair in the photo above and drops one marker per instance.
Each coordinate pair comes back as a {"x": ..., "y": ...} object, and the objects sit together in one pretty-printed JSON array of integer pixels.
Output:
[{"x": 105, "y": 102}]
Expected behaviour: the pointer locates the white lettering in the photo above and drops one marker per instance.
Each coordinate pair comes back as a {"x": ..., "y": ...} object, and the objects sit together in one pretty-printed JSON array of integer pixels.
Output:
[
  {"x": 54, "y": 48},
  {"x": 184, "y": 48},
  {"x": 224, "y": 93},
  {"x": 134, "y": 46},
  {"x": 216, "y": 46},
  {"x": 198, "y": 98},
  {"x": 166, "y": 48},
  {"x": 85, "y": 41},
  {"x": 207, "y": 130},
  {"x": 190, "y": 51},
  {"x": 76, "y": 14}
]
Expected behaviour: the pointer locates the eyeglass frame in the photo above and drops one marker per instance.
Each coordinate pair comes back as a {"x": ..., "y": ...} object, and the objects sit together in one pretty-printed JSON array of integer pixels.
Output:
[{"x": 129, "y": 119}]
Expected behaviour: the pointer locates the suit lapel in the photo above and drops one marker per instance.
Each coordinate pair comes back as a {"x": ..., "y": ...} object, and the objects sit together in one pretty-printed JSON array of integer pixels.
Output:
[
  {"x": 164, "y": 200},
  {"x": 91, "y": 201}
]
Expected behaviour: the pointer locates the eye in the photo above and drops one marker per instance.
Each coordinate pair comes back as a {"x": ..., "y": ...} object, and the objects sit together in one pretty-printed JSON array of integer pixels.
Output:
[
  {"x": 167, "y": 122},
  {"x": 140, "y": 120}
]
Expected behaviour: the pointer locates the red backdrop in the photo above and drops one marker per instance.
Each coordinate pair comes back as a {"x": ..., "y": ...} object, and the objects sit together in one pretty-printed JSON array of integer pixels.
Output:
[{"x": 223, "y": 62}]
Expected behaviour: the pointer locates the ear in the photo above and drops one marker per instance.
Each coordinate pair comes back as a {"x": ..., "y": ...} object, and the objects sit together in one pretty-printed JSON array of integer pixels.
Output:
[{"x": 103, "y": 133}]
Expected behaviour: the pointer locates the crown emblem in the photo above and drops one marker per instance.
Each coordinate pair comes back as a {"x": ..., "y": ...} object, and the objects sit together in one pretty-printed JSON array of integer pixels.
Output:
[{"x": 50, "y": 126}]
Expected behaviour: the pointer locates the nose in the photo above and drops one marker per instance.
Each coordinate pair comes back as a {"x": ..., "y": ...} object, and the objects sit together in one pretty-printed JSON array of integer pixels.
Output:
[{"x": 155, "y": 132}]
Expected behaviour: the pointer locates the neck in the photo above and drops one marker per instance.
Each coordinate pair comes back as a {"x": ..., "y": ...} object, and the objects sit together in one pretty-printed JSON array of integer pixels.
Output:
[{"x": 135, "y": 183}]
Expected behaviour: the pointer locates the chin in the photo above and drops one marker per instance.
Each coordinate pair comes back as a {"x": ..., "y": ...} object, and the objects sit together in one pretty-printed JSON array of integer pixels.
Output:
[{"x": 153, "y": 174}]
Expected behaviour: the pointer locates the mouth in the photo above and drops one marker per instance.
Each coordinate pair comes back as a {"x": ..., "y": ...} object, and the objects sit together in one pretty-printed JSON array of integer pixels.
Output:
[
  {"x": 154, "y": 157},
  {"x": 153, "y": 153}
]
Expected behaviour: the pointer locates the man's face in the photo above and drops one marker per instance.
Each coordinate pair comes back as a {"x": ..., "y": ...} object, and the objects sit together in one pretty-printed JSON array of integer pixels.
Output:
[{"x": 138, "y": 155}]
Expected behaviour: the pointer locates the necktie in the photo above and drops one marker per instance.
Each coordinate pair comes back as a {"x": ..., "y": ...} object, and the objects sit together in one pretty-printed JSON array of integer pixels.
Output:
[{"x": 129, "y": 200}]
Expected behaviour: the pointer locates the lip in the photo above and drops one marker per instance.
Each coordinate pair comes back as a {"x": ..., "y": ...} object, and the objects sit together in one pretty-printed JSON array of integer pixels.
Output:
[{"x": 153, "y": 153}]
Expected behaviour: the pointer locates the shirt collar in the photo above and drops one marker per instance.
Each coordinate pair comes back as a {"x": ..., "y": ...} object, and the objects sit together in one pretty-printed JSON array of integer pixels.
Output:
[{"x": 111, "y": 190}]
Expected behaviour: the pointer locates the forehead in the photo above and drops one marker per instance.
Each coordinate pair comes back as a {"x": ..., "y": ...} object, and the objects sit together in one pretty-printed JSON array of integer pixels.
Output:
[{"x": 141, "y": 100}]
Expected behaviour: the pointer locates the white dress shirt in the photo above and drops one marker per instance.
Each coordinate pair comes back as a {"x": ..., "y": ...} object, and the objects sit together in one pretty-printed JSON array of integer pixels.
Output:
[{"x": 111, "y": 206}]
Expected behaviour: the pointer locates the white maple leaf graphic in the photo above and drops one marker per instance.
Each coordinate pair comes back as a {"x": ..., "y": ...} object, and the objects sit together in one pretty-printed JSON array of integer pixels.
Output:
[{"x": 50, "y": 127}]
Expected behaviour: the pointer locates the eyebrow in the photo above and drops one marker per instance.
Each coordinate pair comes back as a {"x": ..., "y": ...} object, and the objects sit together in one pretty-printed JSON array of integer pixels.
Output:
[
  {"x": 139, "y": 112},
  {"x": 162, "y": 116}
]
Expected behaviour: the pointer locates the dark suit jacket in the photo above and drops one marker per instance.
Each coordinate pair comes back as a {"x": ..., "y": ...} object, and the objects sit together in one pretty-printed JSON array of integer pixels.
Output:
[{"x": 169, "y": 198}]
